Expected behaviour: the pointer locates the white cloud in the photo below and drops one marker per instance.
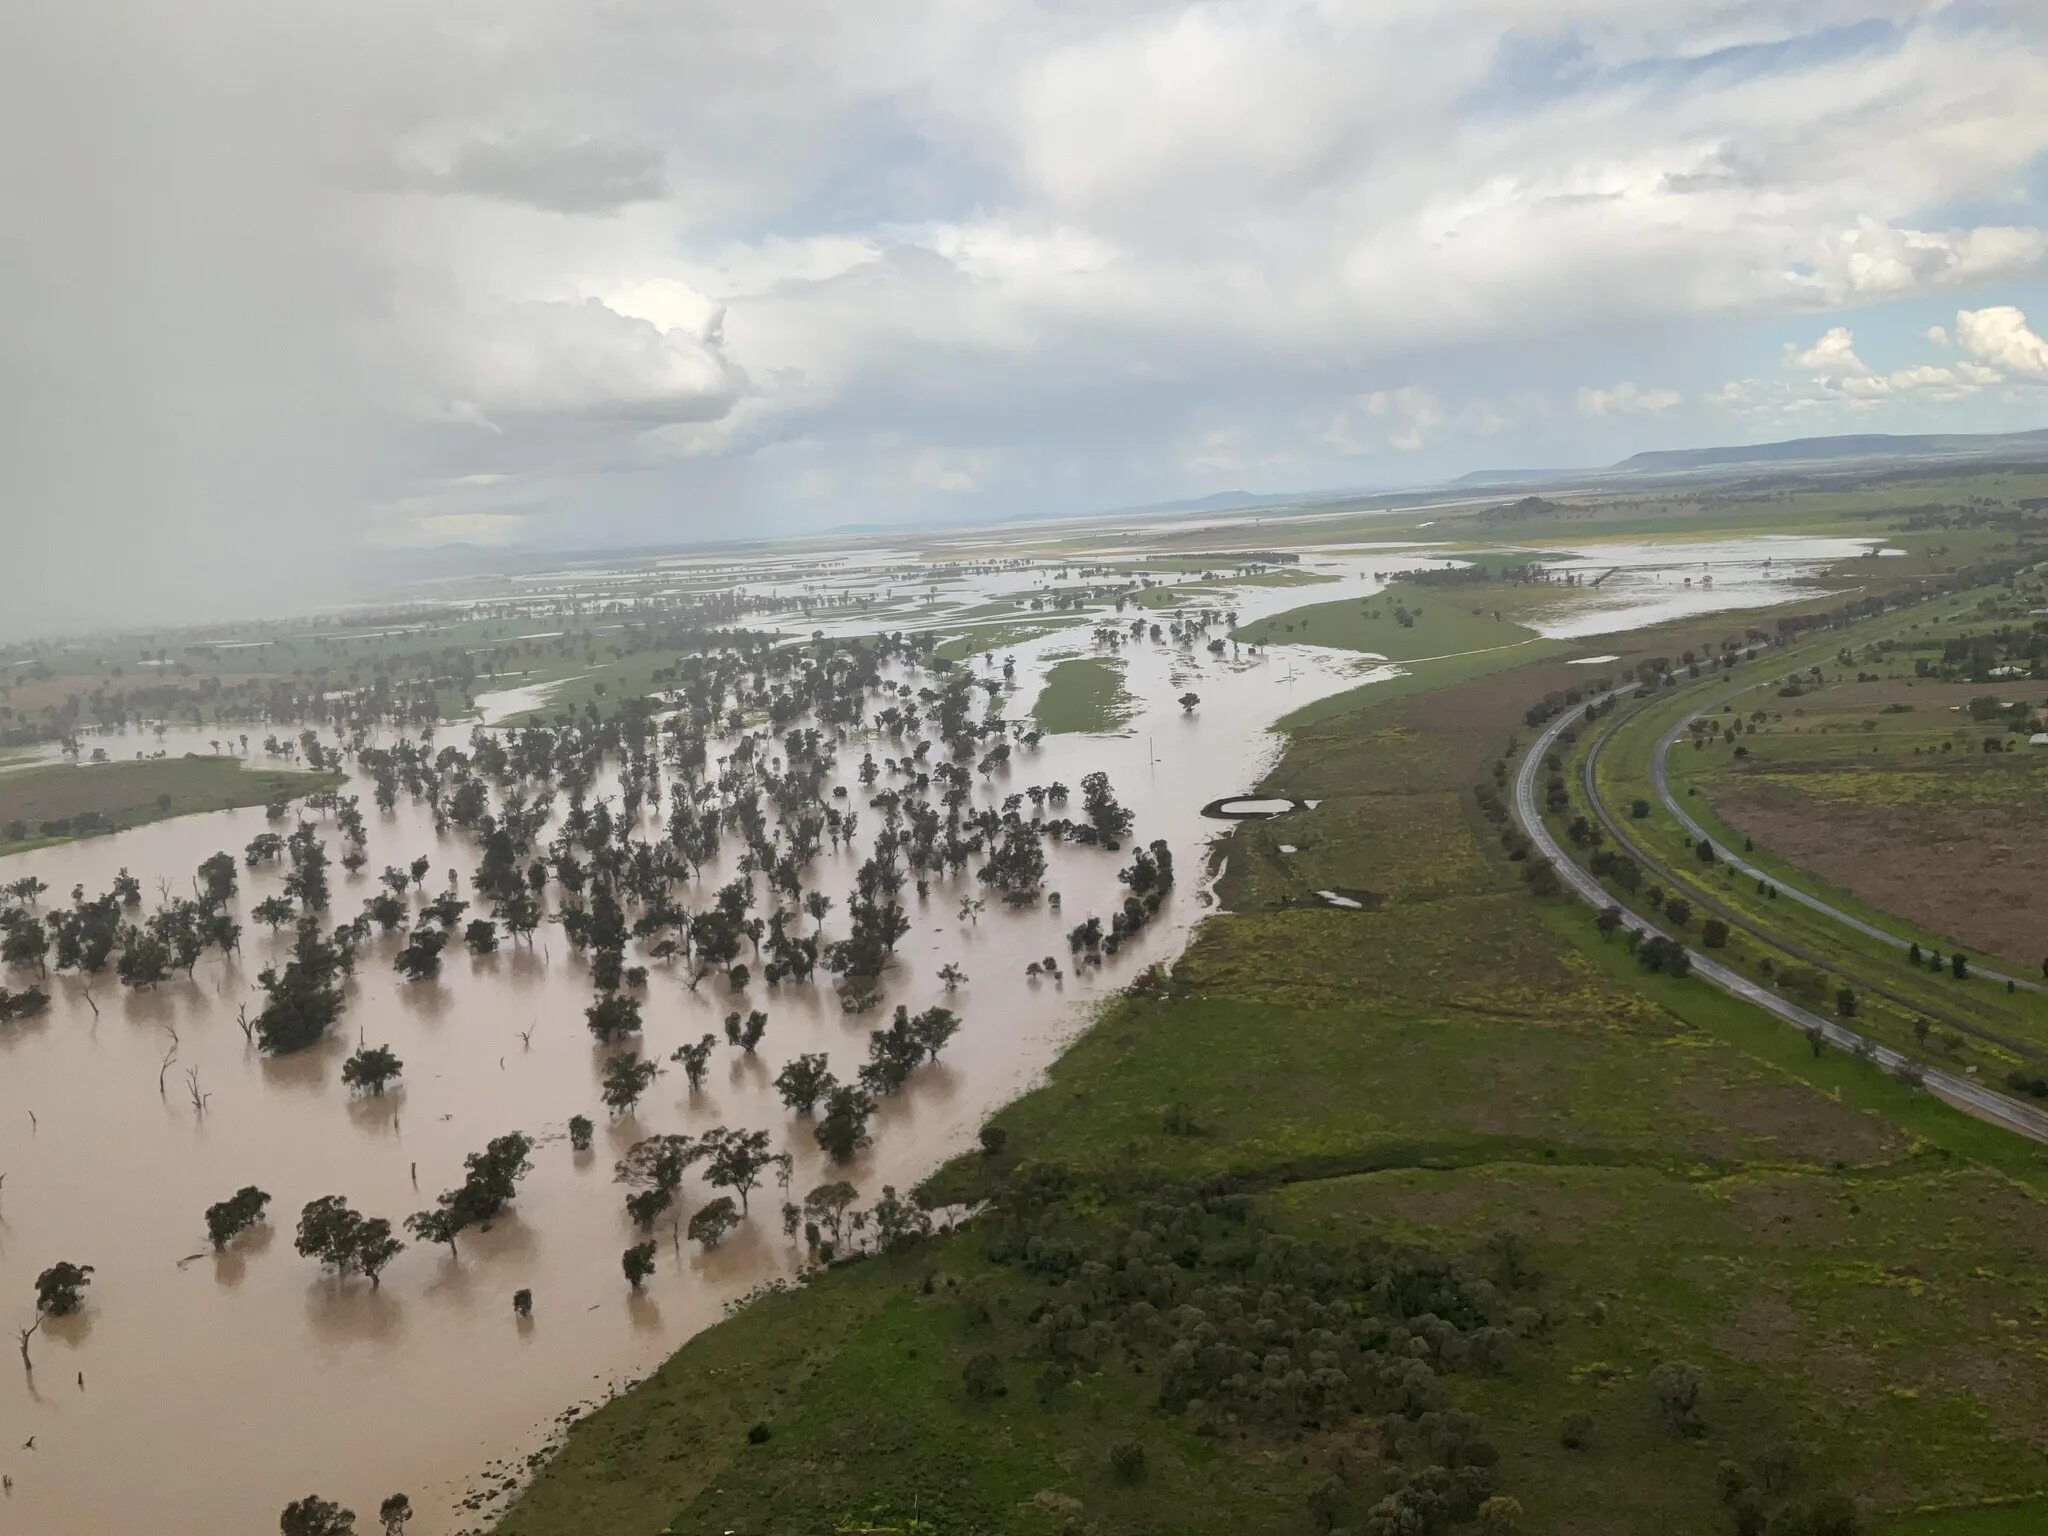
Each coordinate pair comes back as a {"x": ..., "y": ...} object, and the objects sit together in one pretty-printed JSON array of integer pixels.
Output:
[
  {"x": 1625, "y": 399},
  {"x": 2000, "y": 339},
  {"x": 1832, "y": 357},
  {"x": 1830, "y": 375},
  {"x": 954, "y": 471},
  {"x": 563, "y": 359},
  {"x": 1402, "y": 419},
  {"x": 1877, "y": 262}
]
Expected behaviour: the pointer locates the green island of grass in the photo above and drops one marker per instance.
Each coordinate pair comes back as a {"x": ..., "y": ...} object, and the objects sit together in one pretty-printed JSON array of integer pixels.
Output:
[
  {"x": 62, "y": 801},
  {"x": 1084, "y": 693}
]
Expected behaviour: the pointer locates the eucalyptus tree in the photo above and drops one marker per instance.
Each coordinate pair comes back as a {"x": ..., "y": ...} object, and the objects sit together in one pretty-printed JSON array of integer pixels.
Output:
[
  {"x": 638, "y": 1263},
  {"x": 803, "y": 1081},
  {"x": 735, "y": 1160},
  {"x": 229, "y": 1218},
  {"x": 626, "y": 1078},
  {"x": 371, "y": 1069},
  {"x": 711, "y": 1221},
  {"x": 695, "y": 1060}
]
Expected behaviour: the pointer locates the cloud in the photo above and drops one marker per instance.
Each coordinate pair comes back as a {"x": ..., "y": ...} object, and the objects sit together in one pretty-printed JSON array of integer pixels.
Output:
[
  {"x": 1624, "y": 399},
  {"x": 558, "y": 175},
  {"x": 634, "y": 271},
  {"x": 1878, "y": 262},
  {"x": 1829, "y": 376},
  {"x": 563, "y": 359},
  {"x": 953, "y": 471},
  {"x": 2000, "y": 339},
  {"x": 1832, "y": 357},
  {"x": 1402, "y": 419}
]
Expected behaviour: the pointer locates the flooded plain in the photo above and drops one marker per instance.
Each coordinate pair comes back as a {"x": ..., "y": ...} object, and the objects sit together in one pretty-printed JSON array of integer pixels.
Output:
[{"x": 198, "y": 1391}]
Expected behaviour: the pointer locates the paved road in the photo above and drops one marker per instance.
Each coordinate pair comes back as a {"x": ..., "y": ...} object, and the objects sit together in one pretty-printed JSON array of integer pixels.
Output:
[
  {"x": 1962, "y": 1091},
  {"x": 1660, "y": 784},
  {"x": 1705, "y": 899}
]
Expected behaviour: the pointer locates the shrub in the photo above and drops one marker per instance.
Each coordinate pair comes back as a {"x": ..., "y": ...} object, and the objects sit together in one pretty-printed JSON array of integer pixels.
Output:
[{"x": 983, "y": 1377}]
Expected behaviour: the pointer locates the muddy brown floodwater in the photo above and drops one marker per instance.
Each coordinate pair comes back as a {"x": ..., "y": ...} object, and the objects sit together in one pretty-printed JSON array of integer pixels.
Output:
[{"x": 217, "y": 1388}]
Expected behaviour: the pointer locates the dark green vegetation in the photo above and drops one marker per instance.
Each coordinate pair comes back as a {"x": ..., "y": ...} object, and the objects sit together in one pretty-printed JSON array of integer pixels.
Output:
[
  {"x": 1367, "y": 1217},
  {"x": 60, "y": 801}
]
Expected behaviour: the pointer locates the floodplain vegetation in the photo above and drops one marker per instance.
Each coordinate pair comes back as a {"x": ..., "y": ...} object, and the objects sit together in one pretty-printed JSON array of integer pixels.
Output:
[
  {"x": 1441, "y": 1210},
  {"x": 1438, "y": 1210}
]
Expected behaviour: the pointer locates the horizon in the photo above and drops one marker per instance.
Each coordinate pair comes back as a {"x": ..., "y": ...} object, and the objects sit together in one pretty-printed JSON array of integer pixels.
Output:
[{"x": 537, "y": 276}]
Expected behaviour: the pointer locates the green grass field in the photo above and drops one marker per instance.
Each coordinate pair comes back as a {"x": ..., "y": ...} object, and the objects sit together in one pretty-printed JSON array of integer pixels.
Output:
[
  {"x": 1085, "y": 694},
  {"x": 982, "y": 639},
  {"x": 112, "y": 796},
  {"x": 1444, "y": 621}
]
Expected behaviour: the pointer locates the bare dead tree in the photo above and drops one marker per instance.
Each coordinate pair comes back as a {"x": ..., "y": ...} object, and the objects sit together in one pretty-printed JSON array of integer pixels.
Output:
[
  {"x": 26, "y": 1334},
  {"x": 248, "y": 1029},
  {"x": 169, "y": 1056},
  {"x": 192, "y": 1086}
]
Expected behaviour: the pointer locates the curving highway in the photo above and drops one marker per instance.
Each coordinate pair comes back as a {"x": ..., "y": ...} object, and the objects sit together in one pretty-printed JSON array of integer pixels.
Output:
[{"x": 1964, "y": 1092}]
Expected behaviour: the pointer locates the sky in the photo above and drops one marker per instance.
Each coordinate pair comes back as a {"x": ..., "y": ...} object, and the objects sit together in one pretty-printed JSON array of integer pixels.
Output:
[{"x": 286, "y": 286}]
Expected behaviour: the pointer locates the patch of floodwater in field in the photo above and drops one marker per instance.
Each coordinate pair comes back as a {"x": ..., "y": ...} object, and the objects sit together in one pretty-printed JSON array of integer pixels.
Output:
[
  {"x": 1652, "y": 583},
  {"x": 221, "y": 1387},
  {"x": 1590, "y": 661},
  {"x": 503, "y": 704},
  {"x": 1244, "y": 808}
]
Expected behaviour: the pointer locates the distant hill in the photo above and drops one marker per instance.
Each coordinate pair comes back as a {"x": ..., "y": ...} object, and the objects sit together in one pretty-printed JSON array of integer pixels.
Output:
[
  {"x": 1481, "y": 478},
  {"x": 1868, "y": 445},
  {"x": 1220, "y": 501}
]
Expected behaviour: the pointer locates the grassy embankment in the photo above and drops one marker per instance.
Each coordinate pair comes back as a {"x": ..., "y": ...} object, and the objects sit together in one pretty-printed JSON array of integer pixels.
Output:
[
  {"x": 1855, "y": 1268},
  {"x": 62, "y": 801}
]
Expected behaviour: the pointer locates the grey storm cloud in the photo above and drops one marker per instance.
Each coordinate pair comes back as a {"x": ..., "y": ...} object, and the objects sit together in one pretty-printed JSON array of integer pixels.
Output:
[
  {"x": 283, "y": 282},
  {"x": 560, "y": 175}
]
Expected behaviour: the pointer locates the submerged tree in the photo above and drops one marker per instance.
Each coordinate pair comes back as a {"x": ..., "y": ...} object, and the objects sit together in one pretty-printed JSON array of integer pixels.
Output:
[
  {"x": 230, "y": 1217},
  {"x": 345, "y": 1241},
  {"x": 712, "y": 1220},
  {"x": 735, "y": 1160},
  {"x": 638, "y": 1263},
  {"x": 695, "y": 1060},
  {"x": 843, "y": 1129},
  {"x": 314, "y": 1516},
  {"x": 803, "y": 1081},
  {"x": 60, "y": 1289},
  {"x": 371, "y": 1069},
  {"x": 626, "y": 1078}
]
